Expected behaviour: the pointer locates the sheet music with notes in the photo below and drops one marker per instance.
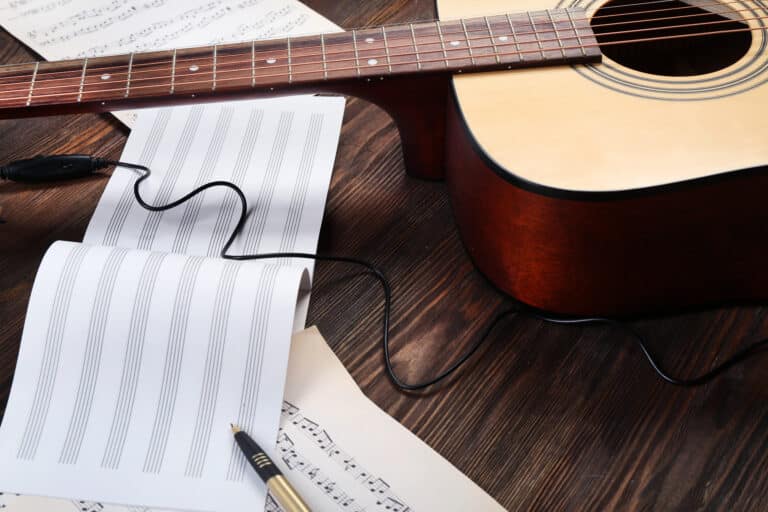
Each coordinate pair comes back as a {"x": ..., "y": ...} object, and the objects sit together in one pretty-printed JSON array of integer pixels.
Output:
[
  {"x": 132, "y": 366},
  {"x": 339, "y": 450},
  {"x": 343, "y": 453},
  {"x": 64, "y": 29}
]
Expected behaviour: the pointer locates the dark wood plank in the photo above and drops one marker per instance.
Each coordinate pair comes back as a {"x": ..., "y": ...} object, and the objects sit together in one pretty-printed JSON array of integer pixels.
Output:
[{"x": 544, "y": 418}]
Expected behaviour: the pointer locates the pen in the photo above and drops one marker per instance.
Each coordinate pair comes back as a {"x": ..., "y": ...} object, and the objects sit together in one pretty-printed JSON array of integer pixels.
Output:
[{"x": 281, "y": 490}]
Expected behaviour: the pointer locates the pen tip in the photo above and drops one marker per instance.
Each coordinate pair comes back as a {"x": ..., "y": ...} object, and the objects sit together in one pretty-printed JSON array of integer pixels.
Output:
[{"x": 235, "y": 428}]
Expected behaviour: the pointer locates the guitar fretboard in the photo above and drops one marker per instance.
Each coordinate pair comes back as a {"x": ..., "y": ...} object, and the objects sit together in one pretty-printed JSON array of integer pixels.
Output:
[{"x": 477, "y": 44}]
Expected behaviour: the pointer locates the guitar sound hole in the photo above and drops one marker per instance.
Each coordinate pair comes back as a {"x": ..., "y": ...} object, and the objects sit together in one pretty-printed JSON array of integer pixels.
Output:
[{"x": 619, "y": 20}]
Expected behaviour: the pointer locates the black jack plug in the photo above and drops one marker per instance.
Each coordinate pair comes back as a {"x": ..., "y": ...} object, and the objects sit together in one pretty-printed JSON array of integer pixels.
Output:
[{"x": 42, "y": 169}]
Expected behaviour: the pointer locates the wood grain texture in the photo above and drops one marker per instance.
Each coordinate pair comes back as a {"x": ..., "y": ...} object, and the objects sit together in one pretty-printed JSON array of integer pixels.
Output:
[{"x": 544, "y": 418}]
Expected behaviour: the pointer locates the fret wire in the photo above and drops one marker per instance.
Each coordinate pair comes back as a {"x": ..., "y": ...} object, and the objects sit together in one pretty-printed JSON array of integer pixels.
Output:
[
  {"x": 521, "y": 52},
  {"x": 357, "y": 58},
  {"x": 576, "y": 33},
  {"x": 514, "y": 36},
  {"x": 82, "y": 81},
  {"x": 493, "y": 40},
  {"x": 415, "y": 48},
  {"x": 268, "y": 76},
  {"x": 128, "y": 79},
  {"x": 253, "y": 63},
  {"x": 290, "y": 67},
  {"x": 328, "y": 52},
  {"x": 469, "y": 45},
  {"x": 536, "y": 35},
  {"x": 442, "y": 43},
  {"x": 32, "y": 84},
  {"x": 173, "y": 72},
  {"x": 591, "y": 45},
  {"x": 557, "y": 35},
  {"x": 215, "y": 57},
  {"x": 325, "y": 64},
  {"x": 386, "y": 49}
]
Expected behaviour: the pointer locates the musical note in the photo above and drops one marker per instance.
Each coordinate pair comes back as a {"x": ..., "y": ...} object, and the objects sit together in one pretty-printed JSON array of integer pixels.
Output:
[
  {"x": 89, "y": 506},
  {"x": 288, "y": 409},
  {"x": 323, "y": 441},
  {"x": 271, "y": 505},
  {"x": 377, "y": 486},
  {"x": 151, "y": 24},
  {"x": 306, "y": 425},
  {"x": 385, "y": 499},
  {"x": 295, "y": 461},
  {"x": 284, "y": 443},
  {"x": 393, "y": 505}
]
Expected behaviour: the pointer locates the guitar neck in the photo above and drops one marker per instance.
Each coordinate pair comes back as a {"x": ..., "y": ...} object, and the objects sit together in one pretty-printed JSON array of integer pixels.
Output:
[{"x": 314, "y": 63}]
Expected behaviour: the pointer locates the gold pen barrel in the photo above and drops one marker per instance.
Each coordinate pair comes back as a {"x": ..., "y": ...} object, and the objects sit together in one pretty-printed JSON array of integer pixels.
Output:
[{"x": 285, "y": 495}]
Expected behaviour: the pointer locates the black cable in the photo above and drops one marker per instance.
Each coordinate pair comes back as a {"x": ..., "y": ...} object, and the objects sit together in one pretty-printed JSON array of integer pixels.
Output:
[
  {"x": 387, "y": 289},
  {"x": 740, "y": 356},
  {"x": 72, "y": 166},
  {"x": 377, "y": 273}
]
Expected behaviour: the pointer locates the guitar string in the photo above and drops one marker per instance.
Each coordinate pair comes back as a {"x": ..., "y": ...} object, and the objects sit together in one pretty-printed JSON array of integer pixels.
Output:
[
  {"x": 558, "y": 49},
  {"x": 543, "y": 23},
  {"x": 12, "y": 100},
  {"x": 548, "y": 23},
  {"x": 664, "y": 18},
  {"x": 714, "y": 3},
  {"x": 703, "y": 4},
  {"x": 668, "y": 9},
  {"x": 136, "y": 68}
]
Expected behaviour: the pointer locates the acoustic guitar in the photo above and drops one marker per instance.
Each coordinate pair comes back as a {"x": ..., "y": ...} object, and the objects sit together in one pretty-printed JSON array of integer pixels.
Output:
[{"x": 603, "y": 157}]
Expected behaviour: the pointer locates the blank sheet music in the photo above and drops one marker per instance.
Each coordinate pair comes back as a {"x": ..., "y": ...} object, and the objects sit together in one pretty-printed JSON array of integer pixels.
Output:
[
  {"x": 132, "y": 366},
  {"x": 280, "y": 152}
]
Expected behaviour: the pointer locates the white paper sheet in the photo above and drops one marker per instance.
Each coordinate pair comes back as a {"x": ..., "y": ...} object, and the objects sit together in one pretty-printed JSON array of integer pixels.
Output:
[
  {"x": 131, "y": 368},
  {"x": 280, "y": 152},
  {"x": 339, "y": 450},
  {"x": 343, "y": 453},
  {"x": 63, "y": 29}
]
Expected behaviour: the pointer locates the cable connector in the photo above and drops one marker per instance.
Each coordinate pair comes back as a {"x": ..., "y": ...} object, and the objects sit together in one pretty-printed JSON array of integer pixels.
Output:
[{"x": 52, "y": 168}]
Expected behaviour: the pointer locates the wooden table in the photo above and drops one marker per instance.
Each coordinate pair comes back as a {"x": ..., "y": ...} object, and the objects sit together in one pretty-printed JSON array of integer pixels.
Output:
[{"x": 544, "y": 418}]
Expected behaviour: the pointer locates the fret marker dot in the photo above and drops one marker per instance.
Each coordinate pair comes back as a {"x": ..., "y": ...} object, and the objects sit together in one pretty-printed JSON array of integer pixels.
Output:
[
  {"x": 503, "y": 39},
  {"x": 454, "y": 43},
  {"x": 369, "y": 40},
  {"x": 106, "y": 76},
  {"x": 194, "y": 67},
  {"x": 372, "y": 62},
  {"x": 271, "y": 60}
]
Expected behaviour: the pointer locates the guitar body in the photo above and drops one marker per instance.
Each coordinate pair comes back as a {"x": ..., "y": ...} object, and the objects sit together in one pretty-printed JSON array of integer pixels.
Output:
[{"x": 603, "y": 190}]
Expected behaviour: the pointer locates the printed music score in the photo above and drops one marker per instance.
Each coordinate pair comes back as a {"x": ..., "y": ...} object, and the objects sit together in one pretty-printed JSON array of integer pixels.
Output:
[
  {"x": 385, "y": 499},
  {"x": 76, "y": 29},
  {"x": 342, "y": 453}
]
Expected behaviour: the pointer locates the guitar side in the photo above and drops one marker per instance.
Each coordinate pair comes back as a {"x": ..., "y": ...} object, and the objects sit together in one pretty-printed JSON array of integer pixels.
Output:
[
  {"x": 597, "y": 217},
  {"x": 610, "y": 254}
]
